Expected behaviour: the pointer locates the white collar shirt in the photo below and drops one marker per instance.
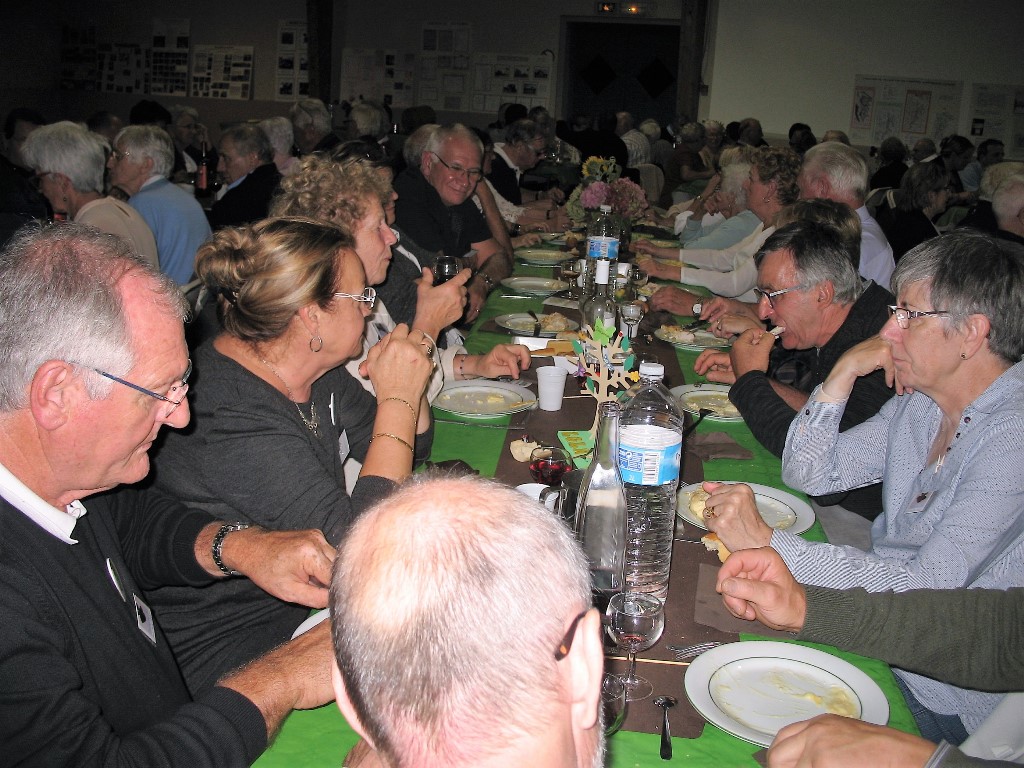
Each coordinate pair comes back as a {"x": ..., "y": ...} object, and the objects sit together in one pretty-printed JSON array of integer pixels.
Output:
[{"x": 58, "y": 524}]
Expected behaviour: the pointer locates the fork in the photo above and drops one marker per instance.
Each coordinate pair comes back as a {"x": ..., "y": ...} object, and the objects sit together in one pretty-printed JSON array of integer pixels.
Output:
[{"x": 686, "y": 652}]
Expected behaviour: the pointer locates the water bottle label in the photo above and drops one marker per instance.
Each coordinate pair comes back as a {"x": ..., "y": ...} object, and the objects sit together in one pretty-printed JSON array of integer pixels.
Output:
[
  {"x": 649, "y": 455},
  {"x": 602, "y": 247}
]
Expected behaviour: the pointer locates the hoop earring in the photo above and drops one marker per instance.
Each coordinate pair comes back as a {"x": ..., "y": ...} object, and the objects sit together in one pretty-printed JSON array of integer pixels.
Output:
[{"x": 319, "y": 344}]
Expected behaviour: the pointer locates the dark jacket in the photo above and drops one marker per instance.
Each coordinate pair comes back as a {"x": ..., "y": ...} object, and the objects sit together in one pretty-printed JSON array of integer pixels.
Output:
[{"x": 249, "y": 201}]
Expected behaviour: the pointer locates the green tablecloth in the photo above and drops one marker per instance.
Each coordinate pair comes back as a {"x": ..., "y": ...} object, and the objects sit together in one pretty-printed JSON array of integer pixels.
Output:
[{"x": 321, "y": 738}]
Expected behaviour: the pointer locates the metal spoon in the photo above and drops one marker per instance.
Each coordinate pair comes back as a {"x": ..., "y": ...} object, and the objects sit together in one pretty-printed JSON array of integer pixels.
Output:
[
  {"x": 701, "y": 415},
  {"x": 666, "y": 703}
]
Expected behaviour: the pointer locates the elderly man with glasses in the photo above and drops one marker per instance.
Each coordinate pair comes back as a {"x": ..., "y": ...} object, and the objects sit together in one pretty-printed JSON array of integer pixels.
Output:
[
  {"x": 435, "y": 209},
  {"x": 92, "y": 364},
  {"x": 810, "y": 291},
  {"x": 523, "y": 147},
  {"x": 426, "y": 582},
  {"x": 140, "y": 164}
]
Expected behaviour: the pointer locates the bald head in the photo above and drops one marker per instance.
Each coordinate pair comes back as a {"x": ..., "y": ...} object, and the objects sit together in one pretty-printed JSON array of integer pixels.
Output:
[{"x": 424, "y": 584}]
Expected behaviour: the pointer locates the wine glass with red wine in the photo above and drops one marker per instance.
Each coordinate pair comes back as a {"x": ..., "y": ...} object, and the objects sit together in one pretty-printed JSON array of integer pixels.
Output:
[{"x": 548, "y": 465}]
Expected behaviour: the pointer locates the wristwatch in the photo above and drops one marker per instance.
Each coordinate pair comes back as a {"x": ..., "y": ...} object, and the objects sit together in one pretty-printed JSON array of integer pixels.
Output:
[
  {"x": 697, "y": 307},
  {"x": 218, "y": 544}
]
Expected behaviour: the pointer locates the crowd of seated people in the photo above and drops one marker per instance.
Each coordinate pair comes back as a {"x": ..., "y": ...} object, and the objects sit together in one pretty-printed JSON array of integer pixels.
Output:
[{"x": 324, "y": 340}]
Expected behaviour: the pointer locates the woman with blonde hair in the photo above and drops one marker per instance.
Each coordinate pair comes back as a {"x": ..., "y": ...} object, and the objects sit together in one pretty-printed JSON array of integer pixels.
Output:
[{"x": 276, "y": 416}]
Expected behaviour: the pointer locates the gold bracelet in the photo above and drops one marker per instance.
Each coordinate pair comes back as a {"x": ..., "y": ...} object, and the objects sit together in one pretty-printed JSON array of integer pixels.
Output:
[
  {"x": 394, "y": 437},
  {"x": 400, "y": 400}
]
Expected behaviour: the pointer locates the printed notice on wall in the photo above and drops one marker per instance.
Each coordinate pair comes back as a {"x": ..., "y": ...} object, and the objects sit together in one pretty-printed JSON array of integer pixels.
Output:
[
  {"x": 121, "y": 67},
  {"x": 907, "y": 108},
  {"x": 292, "y": 72},
  {"x": 168, "y": 73},
  {"x": 222, "y": 72},
  {"x": 997, "y": 112}
]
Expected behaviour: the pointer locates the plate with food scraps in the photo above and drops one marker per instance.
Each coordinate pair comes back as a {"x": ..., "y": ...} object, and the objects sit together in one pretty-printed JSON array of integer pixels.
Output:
[
  {"x": 550, "y": 324},
  {"x": 542, "y": 257},
  {"x": 753, "y": 689},
  {"x": 712, "y": 397},
  {"x": 534, "y": 286},
  {"x": 780, "y": 510},
  {"x": 695, "y": 340},
  {"x": 479, "y": 399}
]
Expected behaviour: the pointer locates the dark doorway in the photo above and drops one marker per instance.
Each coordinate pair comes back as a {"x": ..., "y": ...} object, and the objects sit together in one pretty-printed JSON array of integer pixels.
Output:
[{"x": 617, "y": 66}]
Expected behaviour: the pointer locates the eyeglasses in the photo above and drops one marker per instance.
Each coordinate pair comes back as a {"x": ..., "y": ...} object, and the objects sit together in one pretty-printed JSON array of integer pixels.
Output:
[
  {"x": 368, "y": 296},
  {"x": 117, "y": 154},
  {"x": 566, "y": 645},
  {"x": 170, "y": 403},
  {"x": 770, "y": 295},
  {"x": 904, "y": 316},
  {"x": 471, "y": 174}
]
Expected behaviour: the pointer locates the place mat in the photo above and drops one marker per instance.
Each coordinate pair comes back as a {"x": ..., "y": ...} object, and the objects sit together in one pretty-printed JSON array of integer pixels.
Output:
[
  {"x": 710, "y": 611},
  {"x": 717, "y": 445}
]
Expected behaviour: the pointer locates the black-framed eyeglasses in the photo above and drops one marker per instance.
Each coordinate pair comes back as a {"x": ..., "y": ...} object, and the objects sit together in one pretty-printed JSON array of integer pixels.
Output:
[
  {"x": 179, "y": 390},
  {"x": 471, "y": 174},
  {"x": 770, "y": 295},
  {"x": 368, "y": 296},
  {"x": 566, "y": 645},
  {"x": 904, "y": 316}
]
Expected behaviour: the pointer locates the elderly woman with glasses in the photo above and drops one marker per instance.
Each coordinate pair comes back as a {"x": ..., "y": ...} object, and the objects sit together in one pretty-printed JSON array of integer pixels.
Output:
[
  {"x": 275, "y": 416},
  {"x": 948, "y": 450},
  {"x": 69, "y": 163}
]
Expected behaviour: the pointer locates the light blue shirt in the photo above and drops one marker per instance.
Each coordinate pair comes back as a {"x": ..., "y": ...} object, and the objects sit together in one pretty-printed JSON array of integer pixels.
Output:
[
  {"x": 938, "y": 523},
  {"x": 178, "y": 223}
]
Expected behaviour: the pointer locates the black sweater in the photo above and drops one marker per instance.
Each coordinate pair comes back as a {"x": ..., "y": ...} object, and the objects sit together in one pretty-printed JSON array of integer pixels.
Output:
[{"x": 769, "y": 416}]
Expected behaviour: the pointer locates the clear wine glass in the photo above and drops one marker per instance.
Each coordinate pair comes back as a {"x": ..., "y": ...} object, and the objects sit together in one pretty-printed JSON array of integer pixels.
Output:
[
  {"x": 630, "y": 314},
  {"x": 570, "y": 271},
  {"x": 635, "y": 623}
]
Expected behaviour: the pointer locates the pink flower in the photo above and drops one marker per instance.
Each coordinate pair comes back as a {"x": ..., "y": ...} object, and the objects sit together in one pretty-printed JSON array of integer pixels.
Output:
[{"x": 595, "y": 195}]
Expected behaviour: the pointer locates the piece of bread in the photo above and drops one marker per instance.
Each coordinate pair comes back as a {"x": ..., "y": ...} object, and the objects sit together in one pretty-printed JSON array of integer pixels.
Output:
[
  {"x": 714, "y": 544},
  {"x": 698, "y": 501}
]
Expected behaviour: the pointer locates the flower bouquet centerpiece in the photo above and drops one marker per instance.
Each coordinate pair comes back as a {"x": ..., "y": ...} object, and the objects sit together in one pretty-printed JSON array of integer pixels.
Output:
[{"x": 603, "y": 185}]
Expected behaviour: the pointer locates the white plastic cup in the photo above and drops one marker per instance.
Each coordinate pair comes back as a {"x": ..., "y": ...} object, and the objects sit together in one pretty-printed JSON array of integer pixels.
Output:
[{"x": 550, "y": 387}]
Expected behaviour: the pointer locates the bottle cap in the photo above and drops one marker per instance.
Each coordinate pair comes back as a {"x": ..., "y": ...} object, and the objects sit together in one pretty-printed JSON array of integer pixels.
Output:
[{"x": 652, "y": 370}]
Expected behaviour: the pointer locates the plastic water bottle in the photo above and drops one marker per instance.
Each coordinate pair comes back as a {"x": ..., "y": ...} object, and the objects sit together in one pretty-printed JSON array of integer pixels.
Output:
[
  {"x": 602, "y": 245},
  {"x": 601, "y": 510},
  {"x": 650, "y": 450}
]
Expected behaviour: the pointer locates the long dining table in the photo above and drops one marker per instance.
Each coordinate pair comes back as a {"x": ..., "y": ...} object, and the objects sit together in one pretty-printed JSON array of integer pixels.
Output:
[{"x": 693, "y": 611}]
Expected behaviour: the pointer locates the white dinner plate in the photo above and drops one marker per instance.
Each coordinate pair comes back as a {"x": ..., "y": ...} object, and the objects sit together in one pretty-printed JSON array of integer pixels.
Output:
[
  {"x": 693, "y": 397},
  {"x": 542, "y": 257},
  {"x": 778, "y": 509},
  {"x": 311, "y": 622},
  {"x": 481, "y": 399},
  {"x": 534, "y": 286},
  {"x": 701, "y": 340},
  {"x": 519, "y": 322},
  {"x": 753, "y": 689}
]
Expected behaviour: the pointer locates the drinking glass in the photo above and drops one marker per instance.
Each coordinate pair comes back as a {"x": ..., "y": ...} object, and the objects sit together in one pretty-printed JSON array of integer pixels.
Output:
[
  {"x": 570, "y": 271},
  {"x": 635, "y": 623},
  {"x": 548, "y": 465},
  {"x": 613, "y": 704},
  {"x": 630, "y": 314}
]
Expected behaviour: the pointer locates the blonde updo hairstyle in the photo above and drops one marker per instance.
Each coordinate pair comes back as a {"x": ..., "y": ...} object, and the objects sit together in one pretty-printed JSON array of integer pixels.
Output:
[
  {"x": 266, "y": 272},
  {"x": 326, "y": 190}
]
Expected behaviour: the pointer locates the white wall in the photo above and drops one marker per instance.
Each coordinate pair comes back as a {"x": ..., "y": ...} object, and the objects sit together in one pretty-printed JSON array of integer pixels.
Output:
[{"x": 796, "y": 60}]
